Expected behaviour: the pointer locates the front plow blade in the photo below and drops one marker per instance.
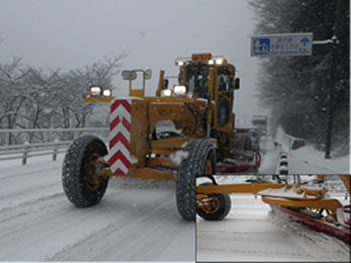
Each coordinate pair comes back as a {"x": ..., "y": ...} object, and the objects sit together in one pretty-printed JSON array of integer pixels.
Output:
[{"x": 315, "y": 224}]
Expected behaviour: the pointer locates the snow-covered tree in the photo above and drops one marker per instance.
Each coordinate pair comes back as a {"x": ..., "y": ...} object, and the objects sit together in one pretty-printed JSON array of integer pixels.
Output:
[{"x": 36, "y": 98}]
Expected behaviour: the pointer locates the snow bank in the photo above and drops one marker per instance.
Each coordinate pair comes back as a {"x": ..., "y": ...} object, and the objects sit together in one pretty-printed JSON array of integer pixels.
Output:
[
  {"x": 286, "y": 141},
  {"x": 312, "y": 157},
  {"x": 309, "y": 159}
]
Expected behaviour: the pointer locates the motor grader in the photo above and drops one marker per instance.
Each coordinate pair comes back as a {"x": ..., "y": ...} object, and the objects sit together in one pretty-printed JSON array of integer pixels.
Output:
[{"x": 207, "y": 142}]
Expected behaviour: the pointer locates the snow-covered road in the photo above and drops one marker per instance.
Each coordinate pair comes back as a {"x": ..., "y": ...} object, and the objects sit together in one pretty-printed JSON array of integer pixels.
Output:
[
  {"x": 136, "y": 220},
  {"x": 252, "y": 233}
]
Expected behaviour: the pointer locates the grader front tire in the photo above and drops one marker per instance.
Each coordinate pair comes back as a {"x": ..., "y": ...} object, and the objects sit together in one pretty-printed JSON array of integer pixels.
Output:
[
  {"x": 80, "y": 183},
  {"x": 201, "y": 153},
  {"x": 215, "y": 207}
]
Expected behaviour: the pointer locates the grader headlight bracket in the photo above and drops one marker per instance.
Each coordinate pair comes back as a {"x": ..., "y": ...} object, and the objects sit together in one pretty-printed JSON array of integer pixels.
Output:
[{"x": 132, "y": 75}]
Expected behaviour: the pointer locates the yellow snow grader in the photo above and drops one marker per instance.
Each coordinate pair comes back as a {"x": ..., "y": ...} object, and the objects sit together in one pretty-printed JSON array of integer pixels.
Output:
[
  {"x": 202, "y": 142},
  {"x": 300, "y": 201}
]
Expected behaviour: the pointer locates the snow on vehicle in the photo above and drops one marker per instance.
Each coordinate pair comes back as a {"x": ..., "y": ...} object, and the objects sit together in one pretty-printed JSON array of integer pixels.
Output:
[
  {"x": 307, "y": 204},
  {"x": 203, "y": 139}
]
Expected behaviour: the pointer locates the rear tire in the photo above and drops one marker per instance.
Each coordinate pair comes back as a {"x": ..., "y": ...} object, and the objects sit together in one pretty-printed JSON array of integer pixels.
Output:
[
  {"x": 80, "y": 183},
  {"x": 193, "y": 166},
  {"x": 218, "y": 206}
]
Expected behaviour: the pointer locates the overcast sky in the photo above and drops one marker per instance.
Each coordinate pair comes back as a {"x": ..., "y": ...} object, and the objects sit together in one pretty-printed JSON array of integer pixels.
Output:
[{"x": 69, "y": 34}]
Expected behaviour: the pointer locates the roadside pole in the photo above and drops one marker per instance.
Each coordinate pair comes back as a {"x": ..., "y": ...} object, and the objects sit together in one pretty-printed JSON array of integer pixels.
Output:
[
  {"x": 330, "y": 113},
  {"x": 330, "y": 108}
]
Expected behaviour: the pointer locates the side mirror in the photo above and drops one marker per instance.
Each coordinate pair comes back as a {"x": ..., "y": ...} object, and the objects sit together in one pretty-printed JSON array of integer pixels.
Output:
[
  {"x": 148, "y": 74},
  {"x": 129, "y": 75},
  {"x": 237, "y": 83}
]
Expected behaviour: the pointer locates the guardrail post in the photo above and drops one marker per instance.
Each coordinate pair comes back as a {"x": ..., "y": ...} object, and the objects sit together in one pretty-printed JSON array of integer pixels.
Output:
[
  {"x": 25, "y": 155},
  {"x": 54, "y": 155}
]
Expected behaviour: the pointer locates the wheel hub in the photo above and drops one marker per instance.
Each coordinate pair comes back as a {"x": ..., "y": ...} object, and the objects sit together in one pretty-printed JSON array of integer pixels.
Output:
[
  {"x": 210, "y": 204},
  {"x": 93, "y": 181}
]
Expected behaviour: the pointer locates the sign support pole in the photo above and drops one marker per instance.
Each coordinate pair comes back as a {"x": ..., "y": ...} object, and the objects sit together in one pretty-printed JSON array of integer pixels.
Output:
[{"x": 330, "y": 113}]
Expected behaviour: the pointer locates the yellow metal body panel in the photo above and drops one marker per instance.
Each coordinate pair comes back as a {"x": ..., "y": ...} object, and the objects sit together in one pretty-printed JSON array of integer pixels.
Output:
[
  {"x": 139, "y": 145},
  {"x": 143, "y": 173},
  {"x": 331, "y": 204},
  {"x": 149, "y": 173},
  {"x": 174, "y": 143},
  {"x": 236, "y": 188},
  {"x": 137, "y": 93},
  {"x": 162, "y": 162},
  {"x": 164, "y": 151},
  {"x": 101, "y": 99}
]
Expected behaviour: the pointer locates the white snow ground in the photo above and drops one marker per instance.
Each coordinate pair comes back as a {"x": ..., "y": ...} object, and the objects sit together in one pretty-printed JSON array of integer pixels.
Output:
[
  {"x": 252, "y": 233},
  {"x": 305, "y": 160},
  {"x": 308, "y": 159},
  {"x": 270, "y": 156},
  {"x": 136, "y": 221}
]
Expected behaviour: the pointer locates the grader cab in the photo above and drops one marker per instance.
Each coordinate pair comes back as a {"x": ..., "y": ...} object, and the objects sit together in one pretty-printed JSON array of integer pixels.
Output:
[{"x": 207, "y": 142}]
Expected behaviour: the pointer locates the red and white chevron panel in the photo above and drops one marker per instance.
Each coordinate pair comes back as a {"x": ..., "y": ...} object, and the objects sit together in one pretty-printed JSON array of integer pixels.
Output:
[{"x": 120, "y": 159}]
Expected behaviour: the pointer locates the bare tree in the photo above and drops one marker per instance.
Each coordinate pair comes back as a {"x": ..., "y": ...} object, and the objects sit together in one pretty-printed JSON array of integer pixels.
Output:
[{"x": 34, "y": 98}]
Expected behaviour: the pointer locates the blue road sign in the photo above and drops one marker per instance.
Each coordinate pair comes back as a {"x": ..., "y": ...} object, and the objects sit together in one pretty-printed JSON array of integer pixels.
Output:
[
  {"x": 282, "y": 45},
  {"x": 262, "y": 46}
]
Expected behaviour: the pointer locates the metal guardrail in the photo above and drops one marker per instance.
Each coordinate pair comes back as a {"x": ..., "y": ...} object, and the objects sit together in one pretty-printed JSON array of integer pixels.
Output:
[
  {"x": 54, "y": 130},
  {"x": 25, "y": 151}
]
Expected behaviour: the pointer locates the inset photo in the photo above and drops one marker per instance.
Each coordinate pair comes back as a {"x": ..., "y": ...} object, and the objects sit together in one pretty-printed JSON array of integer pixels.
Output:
[{"x": 273, "y": 218}]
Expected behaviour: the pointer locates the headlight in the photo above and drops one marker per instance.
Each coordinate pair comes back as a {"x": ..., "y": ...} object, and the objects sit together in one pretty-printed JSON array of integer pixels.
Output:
[
  {"x": 179, "y": 90},
  {"x": 166, "y": 93},
  {"x": 179, "y": 62},
  {"x": 211, "y": 62},
  {"x": 107, "y": 92},
  {"x": 219, "y": 61},
  {"x": 95, "y": 90}
]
